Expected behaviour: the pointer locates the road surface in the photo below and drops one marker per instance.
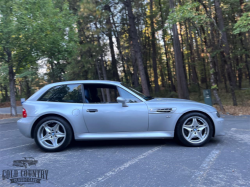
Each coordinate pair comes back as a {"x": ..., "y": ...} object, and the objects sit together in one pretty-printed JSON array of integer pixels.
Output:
[{"x": 225, "y": 161}]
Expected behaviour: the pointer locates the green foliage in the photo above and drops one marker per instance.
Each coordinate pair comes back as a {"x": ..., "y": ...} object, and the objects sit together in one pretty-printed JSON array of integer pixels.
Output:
[
  {"x": 31, "y": 30},
  {"x": 212, "y": 71},
  {"x": 187, "y": 12},
  {"x": 214, "y": 87},
  {"x": 243, "y": 24},
  {"x": 3, "y": 74}
]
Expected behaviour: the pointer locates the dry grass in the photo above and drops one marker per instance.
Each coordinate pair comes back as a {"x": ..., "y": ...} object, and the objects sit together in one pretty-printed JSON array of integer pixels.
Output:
[
  {"x": 7, "y": 104},
  {"x": 235, "y": 110},
  {"x": 8, "y": 116}
]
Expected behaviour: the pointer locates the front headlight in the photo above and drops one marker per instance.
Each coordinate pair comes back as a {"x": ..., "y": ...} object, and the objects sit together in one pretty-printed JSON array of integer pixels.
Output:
[{"x": 218, "y": 114}]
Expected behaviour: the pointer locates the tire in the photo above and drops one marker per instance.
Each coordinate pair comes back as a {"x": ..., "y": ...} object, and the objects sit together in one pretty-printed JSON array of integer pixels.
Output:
[
  {"x": 192, "y": 134},
  {"x": 53, "y": 134}
]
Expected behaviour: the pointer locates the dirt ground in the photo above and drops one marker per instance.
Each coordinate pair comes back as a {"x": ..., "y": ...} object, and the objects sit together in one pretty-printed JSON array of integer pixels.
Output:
[
  {"x": 7, "y": 116},
  {"x": 235, "y": 110},
  {"x": 7, "y": 104}
]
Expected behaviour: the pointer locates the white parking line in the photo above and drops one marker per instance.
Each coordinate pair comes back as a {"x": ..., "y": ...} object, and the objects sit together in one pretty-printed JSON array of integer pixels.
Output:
[
  {"x": 4, "y": 139},
  {"x": 207, "y": 163},
  {"x": 122, "y": 167},
  {"x": 234, "y": 129},
  {"x": 15, "y": 147}
]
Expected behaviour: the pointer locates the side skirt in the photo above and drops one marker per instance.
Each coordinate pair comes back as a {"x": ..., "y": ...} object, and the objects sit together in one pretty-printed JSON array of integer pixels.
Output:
[{"x": 126, "y": 135}]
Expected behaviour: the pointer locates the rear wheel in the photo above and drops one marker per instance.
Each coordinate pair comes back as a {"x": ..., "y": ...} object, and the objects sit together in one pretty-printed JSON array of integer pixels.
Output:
[
  {"x": 194, "y": 129},
  {"x": 53, "y": 134}
]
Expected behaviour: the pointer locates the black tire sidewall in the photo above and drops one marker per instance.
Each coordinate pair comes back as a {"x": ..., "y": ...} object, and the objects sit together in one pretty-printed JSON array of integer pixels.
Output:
[
  {"x": 178, "y": 130},
  {"x": 69, "y": 133}
]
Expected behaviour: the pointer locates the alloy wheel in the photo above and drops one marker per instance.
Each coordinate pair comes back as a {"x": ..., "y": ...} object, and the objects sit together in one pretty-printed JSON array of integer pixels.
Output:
[
  {"x": 195, "y": 129},
  {"x": 51, "y": 134}
]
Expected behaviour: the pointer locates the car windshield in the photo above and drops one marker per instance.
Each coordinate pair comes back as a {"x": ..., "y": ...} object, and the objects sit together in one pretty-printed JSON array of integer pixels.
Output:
[{"x": 137, "y": 92}]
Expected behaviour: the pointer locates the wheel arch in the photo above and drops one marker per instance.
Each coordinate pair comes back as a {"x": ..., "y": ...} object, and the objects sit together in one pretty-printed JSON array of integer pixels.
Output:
[
  {"x": 198, "y": 111},
  {"x": 46, "y": 115}
]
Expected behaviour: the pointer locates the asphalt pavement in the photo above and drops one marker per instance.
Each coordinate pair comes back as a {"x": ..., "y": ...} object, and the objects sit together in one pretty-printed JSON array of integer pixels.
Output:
[{"x": 225, "y": 161}]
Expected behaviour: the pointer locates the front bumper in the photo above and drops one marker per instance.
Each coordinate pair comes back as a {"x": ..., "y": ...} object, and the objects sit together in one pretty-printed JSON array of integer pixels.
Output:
[
  {"x": 25, "y": 125},
  {"x": 219, "y": 127}
]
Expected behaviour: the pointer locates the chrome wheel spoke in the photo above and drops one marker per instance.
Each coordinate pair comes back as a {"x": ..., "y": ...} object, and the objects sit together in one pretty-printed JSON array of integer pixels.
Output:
[
  {"x": 190, "y": 136},
  {"x": 48, "y": 129},
  {"x": 60, "y": 134},
  {"x": 195, "y": 123},
  {"x": 56, "y": 127},
  {"x": 46, "y": 137},
  {"x": 54, "y": 141},
  {"x": 188, "y": 127},
  {"x": 201, "y": 127},
  {"x": 199, "y": 135}
]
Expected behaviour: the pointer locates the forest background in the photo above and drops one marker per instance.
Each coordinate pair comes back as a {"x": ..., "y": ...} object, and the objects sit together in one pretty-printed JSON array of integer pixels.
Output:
[{"x": 163, "y": 48}]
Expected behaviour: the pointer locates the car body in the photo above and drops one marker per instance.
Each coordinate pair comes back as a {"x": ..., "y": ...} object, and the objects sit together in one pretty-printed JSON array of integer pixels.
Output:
[{"x": 113, "y": 111}]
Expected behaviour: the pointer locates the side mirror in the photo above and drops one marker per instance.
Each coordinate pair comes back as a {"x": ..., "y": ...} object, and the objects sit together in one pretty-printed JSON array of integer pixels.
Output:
[{"x": 123, "y": 101}]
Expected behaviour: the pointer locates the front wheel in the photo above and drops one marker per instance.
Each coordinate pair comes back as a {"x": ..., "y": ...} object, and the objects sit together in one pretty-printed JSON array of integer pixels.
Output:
[
  {"x": 194, "y": 129},
  {"x": 52, "y": 134}
]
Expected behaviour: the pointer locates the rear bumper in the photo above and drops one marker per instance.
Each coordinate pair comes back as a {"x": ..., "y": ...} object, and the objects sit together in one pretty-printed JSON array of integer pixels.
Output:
[
  {"x": 219, "y": 127},
  {"x": 25, "y": 125}
]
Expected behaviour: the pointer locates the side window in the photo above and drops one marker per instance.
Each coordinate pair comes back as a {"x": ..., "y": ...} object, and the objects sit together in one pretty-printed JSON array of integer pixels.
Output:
[
  {"x": 49, "y": 93},
  {"x": 66, "y": 93},
  {"x": 127, "y": 96},
  {"x": 100, "y": 93}
]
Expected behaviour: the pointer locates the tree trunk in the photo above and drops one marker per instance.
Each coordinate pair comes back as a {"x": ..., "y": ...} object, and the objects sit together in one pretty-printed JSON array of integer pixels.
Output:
[
  {"x": 201, "y": 60},
  {"x": 170, "y": 78},
  {"x": 226, "y": 51},
  {"x": 100, "y": 78},
  {"x": 136, "y": 47},
  {"x": 13, "y": 111},
  {"x": 193, "y": 62},
  {"x": 116, "y": 34},
  {"x": 213, "y": 83},
  {"x": 111, "y": 46},
  {"x": 181, "y": 79},
  {"x": 239, "y": 71},
  {"x": 244, "y": 44},
  {"x": 103, "y": 68},
  {"x": 153, "y": 41},
  {"x": 135, "y": 79},
  {"x": 28, "y": 91}
]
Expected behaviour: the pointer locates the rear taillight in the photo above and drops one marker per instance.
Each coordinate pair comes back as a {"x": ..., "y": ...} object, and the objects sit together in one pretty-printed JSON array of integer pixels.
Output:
[{"x": 24, "y": 113}]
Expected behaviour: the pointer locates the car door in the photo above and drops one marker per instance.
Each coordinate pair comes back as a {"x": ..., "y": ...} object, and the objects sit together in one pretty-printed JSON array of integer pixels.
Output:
[{"x": 102, "y": 113}]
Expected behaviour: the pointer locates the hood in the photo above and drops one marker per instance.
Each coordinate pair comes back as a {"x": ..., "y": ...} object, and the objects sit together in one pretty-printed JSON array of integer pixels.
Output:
[{"x": 175, "y": 102}]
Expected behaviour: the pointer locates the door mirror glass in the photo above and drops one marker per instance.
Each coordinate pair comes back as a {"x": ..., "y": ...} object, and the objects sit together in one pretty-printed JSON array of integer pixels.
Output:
[{"x": 121, "y": 100}]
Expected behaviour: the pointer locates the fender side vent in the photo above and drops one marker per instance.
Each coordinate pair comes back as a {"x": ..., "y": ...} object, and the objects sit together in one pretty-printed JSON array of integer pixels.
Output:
[{"x": 164, "y": 110}]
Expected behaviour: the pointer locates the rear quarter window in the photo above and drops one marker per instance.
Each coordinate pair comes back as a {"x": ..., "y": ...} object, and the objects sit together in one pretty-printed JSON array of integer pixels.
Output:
[{"x": 70, "y": 93}]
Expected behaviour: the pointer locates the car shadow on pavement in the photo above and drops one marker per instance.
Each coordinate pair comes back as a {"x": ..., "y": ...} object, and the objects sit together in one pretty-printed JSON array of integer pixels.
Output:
[
  {"x": 123, "y": 143},
  {"x": 96, "y": 144}
]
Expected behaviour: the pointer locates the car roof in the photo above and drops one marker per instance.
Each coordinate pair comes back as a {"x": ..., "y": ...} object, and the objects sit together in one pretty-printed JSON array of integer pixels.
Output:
[
  {"x": 85, "y": 81},
  {"x": 36, "y": 95}
]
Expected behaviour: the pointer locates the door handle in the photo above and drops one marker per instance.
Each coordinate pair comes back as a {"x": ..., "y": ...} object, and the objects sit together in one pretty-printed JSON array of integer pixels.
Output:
[{"x": 92, "y": 110}]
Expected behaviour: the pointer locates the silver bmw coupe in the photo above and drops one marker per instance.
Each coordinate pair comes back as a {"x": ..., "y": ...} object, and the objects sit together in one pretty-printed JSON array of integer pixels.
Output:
[{"x": 95, "y": 109}]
